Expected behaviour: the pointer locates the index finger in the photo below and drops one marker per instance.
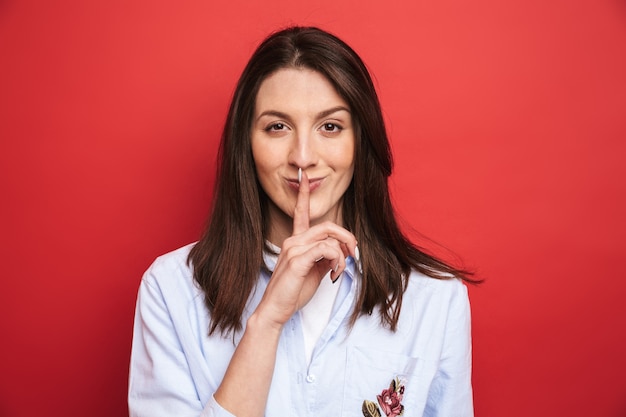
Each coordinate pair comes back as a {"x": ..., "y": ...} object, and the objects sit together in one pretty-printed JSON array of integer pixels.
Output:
[{"x": 301, "y": 212}]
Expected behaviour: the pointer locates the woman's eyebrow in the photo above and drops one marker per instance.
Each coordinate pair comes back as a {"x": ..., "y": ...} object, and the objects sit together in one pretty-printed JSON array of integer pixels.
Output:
[
  {"x": 332, "y": 110},
  {"x": 274, "y": 113}
]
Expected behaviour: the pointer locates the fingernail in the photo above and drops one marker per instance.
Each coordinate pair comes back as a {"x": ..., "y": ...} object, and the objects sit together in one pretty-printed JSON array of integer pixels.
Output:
[
  {"x": 299, "y": 175},
  {"x": 357, "y": 258},
  {"x": 336, "y": 267}
]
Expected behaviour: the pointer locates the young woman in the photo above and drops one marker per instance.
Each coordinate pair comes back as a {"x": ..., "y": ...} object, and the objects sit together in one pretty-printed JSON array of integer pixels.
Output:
[{"x": 302, "y": 297}]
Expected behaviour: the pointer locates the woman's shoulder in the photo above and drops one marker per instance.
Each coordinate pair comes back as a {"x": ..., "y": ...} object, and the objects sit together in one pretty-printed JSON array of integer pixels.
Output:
[
  {"x": 174, "y": 258},
  {"x": 171, "y": 269},
  {"x": 445, "y": 286},
  {"x": 434, "y": 303}
]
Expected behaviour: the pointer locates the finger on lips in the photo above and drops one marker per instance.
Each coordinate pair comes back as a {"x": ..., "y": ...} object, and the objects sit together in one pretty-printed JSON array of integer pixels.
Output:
[
  {"x": 301, "y": 212},
  {"x": 326, "y": 231}
]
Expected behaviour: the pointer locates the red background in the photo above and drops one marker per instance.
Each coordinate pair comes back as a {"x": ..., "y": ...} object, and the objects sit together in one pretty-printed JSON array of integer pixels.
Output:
[{"x": 508, "y": 122}]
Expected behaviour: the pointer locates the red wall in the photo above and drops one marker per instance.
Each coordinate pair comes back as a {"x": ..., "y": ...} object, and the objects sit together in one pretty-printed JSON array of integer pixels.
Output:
[{"x": 508, "y": 120}]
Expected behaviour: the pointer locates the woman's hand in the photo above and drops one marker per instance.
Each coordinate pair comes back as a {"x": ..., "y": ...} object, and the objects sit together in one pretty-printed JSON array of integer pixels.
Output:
[{"x": 305, "y": 258}]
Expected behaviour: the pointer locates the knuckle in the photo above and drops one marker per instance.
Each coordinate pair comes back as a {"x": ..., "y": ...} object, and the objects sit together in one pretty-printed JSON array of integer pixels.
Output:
[
  {"x": 291, "y": 262},
  {"x": 288, "y": 243}
]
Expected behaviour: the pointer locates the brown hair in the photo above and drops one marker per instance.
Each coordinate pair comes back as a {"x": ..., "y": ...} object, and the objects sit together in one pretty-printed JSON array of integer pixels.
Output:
[{"x": 229, "y": 256}]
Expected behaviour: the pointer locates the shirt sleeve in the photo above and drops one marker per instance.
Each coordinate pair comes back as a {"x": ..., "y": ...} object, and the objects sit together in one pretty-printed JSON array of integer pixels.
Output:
[
  {"x": 160, "y": 381},
  {"x": 450, "y": 393}
]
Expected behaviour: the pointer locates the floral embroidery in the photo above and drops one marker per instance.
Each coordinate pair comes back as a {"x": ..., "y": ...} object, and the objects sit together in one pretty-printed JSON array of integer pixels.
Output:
[{"x": 389, "y": 400}]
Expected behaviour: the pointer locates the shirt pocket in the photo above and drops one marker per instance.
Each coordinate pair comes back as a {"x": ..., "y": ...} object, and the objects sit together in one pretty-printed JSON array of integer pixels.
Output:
[{"x": 385, "y": 381}]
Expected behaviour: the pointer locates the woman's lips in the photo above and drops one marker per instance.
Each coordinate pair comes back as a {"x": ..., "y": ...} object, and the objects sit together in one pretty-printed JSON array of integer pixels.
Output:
[{"x": 314, "y": 183}]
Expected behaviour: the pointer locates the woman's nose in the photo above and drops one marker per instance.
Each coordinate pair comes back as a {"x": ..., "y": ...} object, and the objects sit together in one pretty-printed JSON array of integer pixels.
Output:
[{"x": 303, "y": 153}]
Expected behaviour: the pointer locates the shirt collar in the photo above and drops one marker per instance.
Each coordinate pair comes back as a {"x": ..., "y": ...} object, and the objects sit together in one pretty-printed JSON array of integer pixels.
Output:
[{"x": 270, "y": 255}]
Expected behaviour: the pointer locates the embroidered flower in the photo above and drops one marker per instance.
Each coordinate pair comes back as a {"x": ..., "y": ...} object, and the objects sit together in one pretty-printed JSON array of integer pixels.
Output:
[{"x": 389, "y": 401}]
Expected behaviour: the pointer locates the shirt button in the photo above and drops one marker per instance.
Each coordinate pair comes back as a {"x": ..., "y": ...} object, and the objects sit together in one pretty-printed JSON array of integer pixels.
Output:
[{"x": 310, "y": 379}]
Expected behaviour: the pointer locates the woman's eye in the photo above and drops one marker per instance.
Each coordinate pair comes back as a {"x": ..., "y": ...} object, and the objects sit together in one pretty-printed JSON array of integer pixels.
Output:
[
  {"x": 276, "y": 127},
  {"x": 331, "y": 127}
]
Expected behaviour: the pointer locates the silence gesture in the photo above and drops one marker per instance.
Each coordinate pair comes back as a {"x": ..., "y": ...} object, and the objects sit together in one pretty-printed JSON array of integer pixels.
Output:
[{"x": 305, "y": 258}]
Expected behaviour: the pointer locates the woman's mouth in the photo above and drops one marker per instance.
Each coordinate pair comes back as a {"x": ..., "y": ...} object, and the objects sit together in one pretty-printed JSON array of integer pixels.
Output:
[{"x": 314, "y": 183}]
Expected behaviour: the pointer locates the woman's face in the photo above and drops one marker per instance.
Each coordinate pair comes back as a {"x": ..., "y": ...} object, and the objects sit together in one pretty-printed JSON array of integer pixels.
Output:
[{"x": 301, "y": 122}]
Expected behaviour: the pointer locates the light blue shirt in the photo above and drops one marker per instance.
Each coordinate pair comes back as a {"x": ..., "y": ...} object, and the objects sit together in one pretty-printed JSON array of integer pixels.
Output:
[{"x": 176, "y": 367}]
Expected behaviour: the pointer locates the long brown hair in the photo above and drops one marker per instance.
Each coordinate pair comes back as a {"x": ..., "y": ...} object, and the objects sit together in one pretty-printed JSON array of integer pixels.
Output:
[{"x": 229, "y": 256}]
